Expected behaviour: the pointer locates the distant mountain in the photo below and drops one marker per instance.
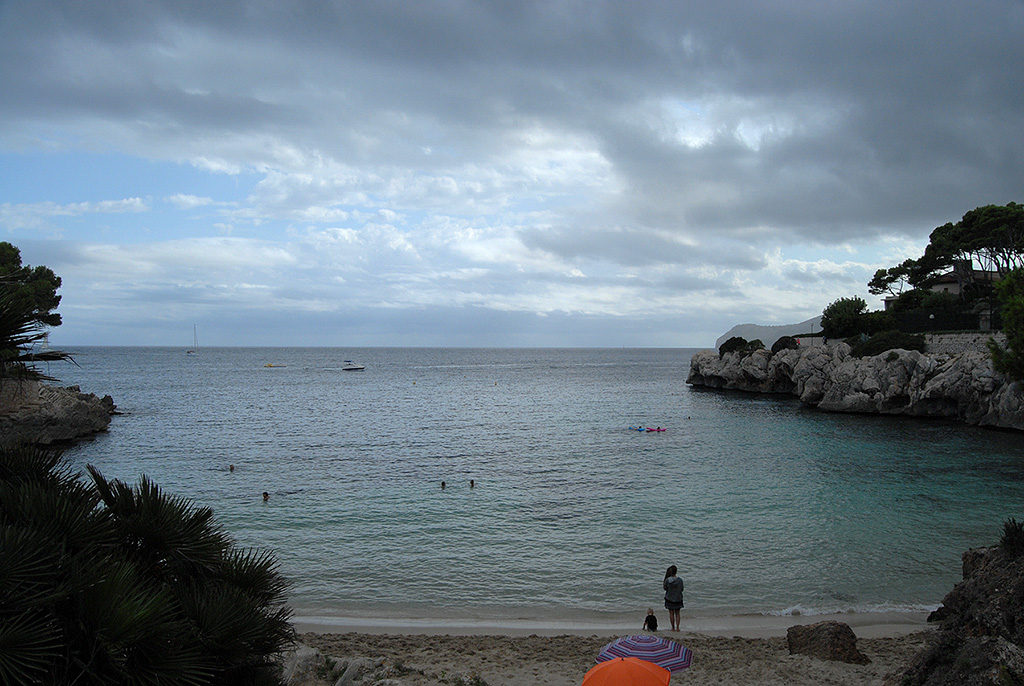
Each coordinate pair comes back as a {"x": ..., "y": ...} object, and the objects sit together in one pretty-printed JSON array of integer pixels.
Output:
[{"x": 769, "y": 334}]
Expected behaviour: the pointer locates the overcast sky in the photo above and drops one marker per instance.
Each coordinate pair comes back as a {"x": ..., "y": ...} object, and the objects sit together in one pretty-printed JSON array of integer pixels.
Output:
[{"x": 512, "y": 173}]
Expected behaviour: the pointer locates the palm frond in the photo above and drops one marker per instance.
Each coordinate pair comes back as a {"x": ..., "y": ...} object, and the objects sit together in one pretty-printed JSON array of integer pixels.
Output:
[
  {"x": 136, "y": 632},
  {"x": 20, "y": 331},
  {"x": 127, "y": 585},
  {"x": 257, "y": 574},
  {"x": 32, "y": 463},
  {"x": 29, "y": 572},
  {"x": 69, "y": 515},
  {"x": 165, "y": 531},
  {"x": 29, "y": 646},
  {"x": 239, "y": 634}
]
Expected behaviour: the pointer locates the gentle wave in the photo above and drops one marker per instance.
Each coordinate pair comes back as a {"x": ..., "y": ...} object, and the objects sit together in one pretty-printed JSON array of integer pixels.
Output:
[{"x": 882, "y": 608}]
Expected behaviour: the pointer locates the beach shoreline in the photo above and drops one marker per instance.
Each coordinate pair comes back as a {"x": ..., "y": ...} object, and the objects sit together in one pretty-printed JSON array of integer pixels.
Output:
[
  {"x": 864, "y": 625},
  {"x": 742, "y": 651}
]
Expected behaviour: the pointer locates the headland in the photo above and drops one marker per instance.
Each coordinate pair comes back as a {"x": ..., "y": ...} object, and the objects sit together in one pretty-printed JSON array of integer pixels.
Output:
[
  {"x": 37, "y": 413},
  {"x": 954, "y": 379}
]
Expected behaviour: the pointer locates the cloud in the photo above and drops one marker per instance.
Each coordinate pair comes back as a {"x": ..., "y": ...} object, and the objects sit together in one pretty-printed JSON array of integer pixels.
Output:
[
  {"x": 184, "y": 201},
  {"x": 36, "y": 216},
  {"x": 683, "y": 162}
]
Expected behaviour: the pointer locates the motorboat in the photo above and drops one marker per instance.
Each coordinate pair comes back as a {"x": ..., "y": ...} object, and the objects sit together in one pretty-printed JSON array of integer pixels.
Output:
[{"x": 351, "y": 366}]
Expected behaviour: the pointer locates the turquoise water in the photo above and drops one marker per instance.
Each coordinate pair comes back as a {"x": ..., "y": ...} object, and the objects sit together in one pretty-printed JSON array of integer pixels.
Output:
[{"x": 765, "y": 506}]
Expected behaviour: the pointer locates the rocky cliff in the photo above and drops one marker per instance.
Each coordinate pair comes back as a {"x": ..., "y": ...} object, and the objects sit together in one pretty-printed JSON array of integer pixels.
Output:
[
  {"x": 960, "y": 386},
  {"x": 33, "y": 412},
  {"x": 981, "y": 640}
]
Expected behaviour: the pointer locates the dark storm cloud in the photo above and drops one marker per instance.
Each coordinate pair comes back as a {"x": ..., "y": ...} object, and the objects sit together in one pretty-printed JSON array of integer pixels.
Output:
[
  {"x": 564, "y": 143},
  {"x": 919, "y": 105}
]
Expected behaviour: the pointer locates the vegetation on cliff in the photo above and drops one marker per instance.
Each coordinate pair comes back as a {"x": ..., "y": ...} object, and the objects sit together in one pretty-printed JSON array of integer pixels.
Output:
[
  {"x": 28, "y": 300},
  {"x": 107, "y": 583},
  {"x": 843, "y": 317},
  {"x": 738, "y": 344},
  {"x": 987, "y": 243},
  {"x": 1010, "y": 359},
  {"x": 968, "y": 278},
  {"x": 888, "y": 340}
]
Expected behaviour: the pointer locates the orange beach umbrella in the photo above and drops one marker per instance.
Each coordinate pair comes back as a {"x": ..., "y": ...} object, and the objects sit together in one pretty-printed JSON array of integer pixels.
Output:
[{"x": 626, "y": 671}]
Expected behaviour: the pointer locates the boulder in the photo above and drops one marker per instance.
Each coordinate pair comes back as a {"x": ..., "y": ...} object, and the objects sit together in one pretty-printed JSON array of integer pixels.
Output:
[
  {"x": 826, "y": 641},
  {"x": 355, "y": 669},
  {"x": 304, "y": 666},
  {"x": 882, "y": 384}
]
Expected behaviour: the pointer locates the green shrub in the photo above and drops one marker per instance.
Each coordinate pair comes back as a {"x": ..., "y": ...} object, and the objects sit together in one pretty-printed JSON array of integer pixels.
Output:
[
  {"x": 732, "y": 345},
  {"x": 941, "y": 300},
  {"x": 877, "y": 322},
  {"x": 1013, "y": 537},
  {"x": 108, "y": 583},
  {"x": 887, "y": 340},
  {"x": 843, "y": 317},
  {"x": 1010, "y": 359},
  {"x": 740, "y": 345},
  {"x": 908, "y": 301},
  {"x": 785, "y": 343}
]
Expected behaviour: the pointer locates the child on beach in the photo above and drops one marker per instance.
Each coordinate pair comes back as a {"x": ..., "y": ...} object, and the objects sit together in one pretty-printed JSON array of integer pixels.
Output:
[{"x": 650, "y": 621}]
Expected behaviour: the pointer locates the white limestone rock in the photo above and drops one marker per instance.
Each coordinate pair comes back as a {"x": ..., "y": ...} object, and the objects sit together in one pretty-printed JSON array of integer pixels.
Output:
[{"x": 961, "y": 386}]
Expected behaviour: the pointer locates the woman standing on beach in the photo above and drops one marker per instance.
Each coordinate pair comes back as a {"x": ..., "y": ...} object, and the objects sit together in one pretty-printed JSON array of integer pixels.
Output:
[{"x": 673, "y": 596}]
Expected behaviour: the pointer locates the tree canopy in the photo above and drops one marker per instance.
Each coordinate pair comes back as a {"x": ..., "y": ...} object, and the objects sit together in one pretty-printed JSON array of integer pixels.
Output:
[
  {"x": 892, "y": 280},
  {"x": 989, "y": 239},
  {"x": 842, "y": 318},
  {"x": 28, "y": 297},
  {"x": 985, "y": 245},
  {"x": 32, "y": 289}
]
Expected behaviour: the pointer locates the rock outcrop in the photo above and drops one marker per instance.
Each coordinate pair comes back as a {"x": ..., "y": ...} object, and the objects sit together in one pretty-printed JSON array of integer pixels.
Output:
[
  {"x": 981, "y": 640},
  {"x": 33, "y": 412},
  {"x": 963, "y": 386}
]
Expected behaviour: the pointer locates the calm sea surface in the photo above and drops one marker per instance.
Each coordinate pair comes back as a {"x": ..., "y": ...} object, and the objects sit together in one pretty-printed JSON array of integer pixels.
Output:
[{"x": 765, "y": 506}]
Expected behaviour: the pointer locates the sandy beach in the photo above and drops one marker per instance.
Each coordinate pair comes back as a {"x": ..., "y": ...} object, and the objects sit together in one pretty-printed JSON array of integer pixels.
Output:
[{"x": 735, "y": 650}]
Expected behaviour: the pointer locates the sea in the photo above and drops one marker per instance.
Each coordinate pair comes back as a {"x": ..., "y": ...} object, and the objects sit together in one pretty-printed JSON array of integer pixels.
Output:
[{"x": 487, "y": 485}]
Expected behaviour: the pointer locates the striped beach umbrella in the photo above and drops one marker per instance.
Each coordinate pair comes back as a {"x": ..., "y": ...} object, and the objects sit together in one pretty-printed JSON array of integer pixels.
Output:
[{"x": 661, "y": 651}]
